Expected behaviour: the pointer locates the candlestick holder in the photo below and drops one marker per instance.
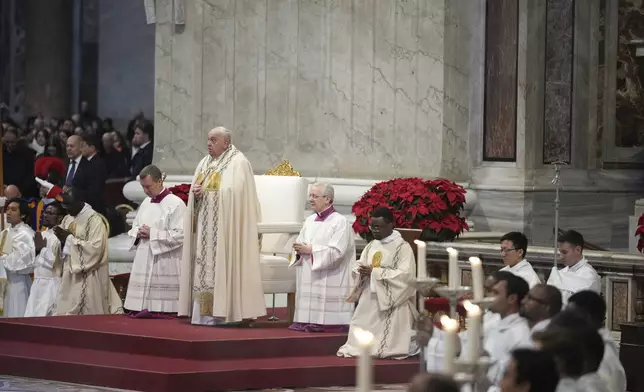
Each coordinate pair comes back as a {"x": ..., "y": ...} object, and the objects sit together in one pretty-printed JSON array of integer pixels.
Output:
[
  {"x": 473, "y": 373},
  {"x": 453, "y": 294},
  {"x": 484, "y": 303},
  {"x": 424, "y": 323}
]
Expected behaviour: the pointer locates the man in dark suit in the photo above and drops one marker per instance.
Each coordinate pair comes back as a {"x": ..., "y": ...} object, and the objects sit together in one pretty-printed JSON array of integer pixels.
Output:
[
  {"x": 141, "y": 147},
  {"x": 85, "y": 175},
  {"x": 97, "y": 173}
]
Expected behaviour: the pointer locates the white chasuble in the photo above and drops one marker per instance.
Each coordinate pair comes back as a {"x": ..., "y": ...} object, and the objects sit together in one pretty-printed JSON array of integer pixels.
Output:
[
  {"x": 86, "y": 287},
  {"x": 48, "y": 270},
  {"x": 324, "y": 277},
  {"x": 579, "y": 277},
  {"x": 154, "y": 279},
  {"x": 386, "y": 300},
  {"x": 220, "y": 271},
  {"x": 17, "y": 254}
]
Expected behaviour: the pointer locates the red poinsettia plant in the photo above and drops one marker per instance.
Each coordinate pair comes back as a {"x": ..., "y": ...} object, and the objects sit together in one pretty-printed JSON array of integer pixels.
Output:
[
  {"x": 639, "y": 233},
  {"x": 182, "y": 191},
  {"x": 429, "y": 205}
]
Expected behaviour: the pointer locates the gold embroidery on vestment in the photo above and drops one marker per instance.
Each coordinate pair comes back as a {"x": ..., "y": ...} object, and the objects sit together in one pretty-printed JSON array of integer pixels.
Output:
[{"x": 376, "y": 259}]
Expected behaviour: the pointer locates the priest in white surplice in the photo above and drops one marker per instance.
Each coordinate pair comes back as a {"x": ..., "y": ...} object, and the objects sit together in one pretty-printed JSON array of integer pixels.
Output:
[
  {"x": 48, "y": 267},
  {"x": 385, "y": 293},
  {"x": 220, "y": 270},
  {"x": 17, "y": 255},
  {"x": 514, "y": 246},
  {"x": 157, "y": 235},
  {"x": 85, "y": 286},
  {"x": 324, "y": 254},
  {"x": 578, "y": 274}
]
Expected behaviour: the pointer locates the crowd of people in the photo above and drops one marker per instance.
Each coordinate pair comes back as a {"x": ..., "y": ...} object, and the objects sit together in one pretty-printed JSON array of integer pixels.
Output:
[
  {"x": 53, "y": 147},
  {"x": 202, "y": 261}
]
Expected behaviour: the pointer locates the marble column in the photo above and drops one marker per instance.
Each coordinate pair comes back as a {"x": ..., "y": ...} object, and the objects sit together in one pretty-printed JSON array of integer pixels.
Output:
[
  {"x": 499, "y": 143},
  {"x": 558, "y": 92},
  {"x": 12, "y": 59},
  {"x": 48, "y": 26}
]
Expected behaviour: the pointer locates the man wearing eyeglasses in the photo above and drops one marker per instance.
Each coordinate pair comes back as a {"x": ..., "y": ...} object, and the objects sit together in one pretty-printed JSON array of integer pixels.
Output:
[
  {"x": 539, "y": 306},
  {"x": 48, "y": 265},
  {"x": 324, "y": 254},
  {"x": 514, "y": 246}
]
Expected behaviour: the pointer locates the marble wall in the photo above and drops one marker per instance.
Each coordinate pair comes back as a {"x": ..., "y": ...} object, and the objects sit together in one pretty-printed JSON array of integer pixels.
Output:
[{"x": 353, "y": 89}]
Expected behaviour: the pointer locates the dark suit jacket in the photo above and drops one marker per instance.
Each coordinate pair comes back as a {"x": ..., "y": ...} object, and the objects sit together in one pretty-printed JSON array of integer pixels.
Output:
[
  {"x": 90, "y": 176},
  {"x": 141, "y": 159}
]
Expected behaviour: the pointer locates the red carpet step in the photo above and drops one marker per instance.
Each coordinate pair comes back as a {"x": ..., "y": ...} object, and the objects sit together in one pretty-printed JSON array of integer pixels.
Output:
[{"x": 172, "y": 355}]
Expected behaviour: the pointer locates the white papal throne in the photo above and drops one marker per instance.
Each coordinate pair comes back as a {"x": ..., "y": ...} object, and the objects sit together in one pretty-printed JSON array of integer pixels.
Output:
[{"x": 282, "y": 194}]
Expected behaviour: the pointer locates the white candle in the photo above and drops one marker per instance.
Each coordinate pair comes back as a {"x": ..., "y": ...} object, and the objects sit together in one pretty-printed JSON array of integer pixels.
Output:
[
  {"x": 477, "y": 278},
  {"x": 453, "y": 280},
  {"x": 421, "y": 265},
  {"x": 365, "y": 371},
  {"x": 474, "y": 329},
  {"x": 450, "y": 331}
]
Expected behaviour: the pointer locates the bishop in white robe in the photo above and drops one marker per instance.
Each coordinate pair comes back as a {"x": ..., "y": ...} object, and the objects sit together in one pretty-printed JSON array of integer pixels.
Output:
[
  {"x": 86, "y": 287},
  {"x": 17, "y": 255},
  {"x": 157, "y": 236},
  {"x": 48, "y": 265},
  {"x": 578, "y": 274},
  {"x": 220, "y": 269},
  {"x": 324, "y": 255},
  {"x": 385, "y": 292}
]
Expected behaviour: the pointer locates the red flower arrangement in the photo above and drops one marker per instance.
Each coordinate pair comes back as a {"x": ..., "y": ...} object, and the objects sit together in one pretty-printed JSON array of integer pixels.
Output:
[
  {"x": 639, "y": 232},
  {"x": 182, "y": 191},
  {"x": 433, "y": 205},
  {"x": 438, "y": 305}
]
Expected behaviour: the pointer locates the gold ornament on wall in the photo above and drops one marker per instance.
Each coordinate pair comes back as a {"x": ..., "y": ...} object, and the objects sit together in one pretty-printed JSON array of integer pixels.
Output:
[{"x": 283, "y": 169}]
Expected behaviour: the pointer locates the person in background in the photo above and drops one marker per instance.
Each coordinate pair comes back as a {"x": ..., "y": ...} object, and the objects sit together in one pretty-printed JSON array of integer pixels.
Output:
[
  {"x": 116, "y": 162},
  {"x": 48, "y": 265},
  {"x": 17, "y": 255},
  {"x": 530, "y": 371},
  {"x": 141, "y": 148},
  {"x": 428, "y": 382},
  {"x": 18, "y": 163},
  {"x": 514, "y": 246},
  {"x": 578, "y": 274}
]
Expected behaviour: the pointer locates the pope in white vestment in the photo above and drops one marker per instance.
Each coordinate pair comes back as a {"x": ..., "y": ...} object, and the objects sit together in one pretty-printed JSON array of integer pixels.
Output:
[
  {"x": 324, "y": 255},
  {"x": 220, "y": 270},
  {"x": 157, "y": 235},
  {"x": 86, "y": 287},
  {"x": 17, "y": 254},
  {"x": 578, "y": 274},
  {"x": 48, "y": 266},
  {"x": 385, "y": 292}
]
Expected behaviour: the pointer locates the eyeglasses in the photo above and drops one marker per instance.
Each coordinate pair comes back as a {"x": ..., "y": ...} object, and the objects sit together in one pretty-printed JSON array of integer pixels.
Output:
[{"x": 504, "y": 251}]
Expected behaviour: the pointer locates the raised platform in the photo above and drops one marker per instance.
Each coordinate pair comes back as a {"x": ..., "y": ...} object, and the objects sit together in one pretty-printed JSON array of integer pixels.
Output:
[{"x": 172, "y": 355}]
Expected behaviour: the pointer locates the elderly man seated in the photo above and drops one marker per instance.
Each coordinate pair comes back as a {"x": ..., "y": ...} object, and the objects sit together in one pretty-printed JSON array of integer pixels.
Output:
[{"x": 324, "y": 254}]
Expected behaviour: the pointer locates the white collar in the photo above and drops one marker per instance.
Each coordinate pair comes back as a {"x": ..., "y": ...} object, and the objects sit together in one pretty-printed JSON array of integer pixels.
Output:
[
  {"x": 540, "y": 326},
  {"x": 391, "y": 237},
  {"x": 518, "y": 265},
  {"x": 580, "y": 264}
]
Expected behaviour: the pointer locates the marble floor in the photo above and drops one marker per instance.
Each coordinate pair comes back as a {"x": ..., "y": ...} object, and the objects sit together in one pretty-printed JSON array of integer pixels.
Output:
[{"x": 17, "y": 384}]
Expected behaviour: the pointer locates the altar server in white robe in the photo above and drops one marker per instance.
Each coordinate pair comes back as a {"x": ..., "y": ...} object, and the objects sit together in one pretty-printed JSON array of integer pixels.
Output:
[
  {"x": 17, "y": 255},
  {"x": 220, "y": 269},
  {"x": 324, "y": 254},
  {"x": 48, "y": 267},
  {"x": 593, "y": 306},
  {"x": 157, "y": 236},
  {"x": 86, "y": 287},
  {"x": 385, "y": 291},
  {"x": 538, "y": 307},
  {"x": 578, "y": 274},
  {"x": 514, "y": 246}
]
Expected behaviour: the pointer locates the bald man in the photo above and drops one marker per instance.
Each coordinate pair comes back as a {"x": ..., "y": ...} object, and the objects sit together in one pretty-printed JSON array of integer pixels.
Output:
[
  {"x": 220, "y": 271},
  {"x": 74, "y": 153}
]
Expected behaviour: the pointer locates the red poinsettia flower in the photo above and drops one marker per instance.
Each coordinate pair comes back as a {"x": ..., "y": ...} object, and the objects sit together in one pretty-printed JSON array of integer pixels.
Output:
[
  {"x": 639, "y": 232},
  {"x": 435, "y": 205},
  {"x": 182, "y": 191}
]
